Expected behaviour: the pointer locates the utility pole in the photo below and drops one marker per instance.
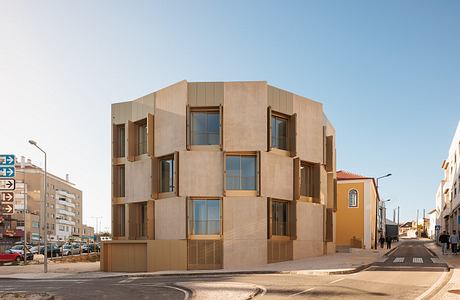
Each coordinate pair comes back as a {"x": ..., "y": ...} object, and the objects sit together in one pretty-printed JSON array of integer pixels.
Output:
[
  {"x": 394, "y": 213},
  {"x": 417, "y": 224},
  {"x": 423, "y": 221}
]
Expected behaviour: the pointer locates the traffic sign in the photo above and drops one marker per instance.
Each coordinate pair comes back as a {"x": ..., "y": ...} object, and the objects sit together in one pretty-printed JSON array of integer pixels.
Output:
[
  {"x": 6, "y": 159},
  {"x": 6, "y": 196},
  {"x": 7, "y": 184},
  {"x": 7, "y": 171},
  {"x": 7, "y": 209}
]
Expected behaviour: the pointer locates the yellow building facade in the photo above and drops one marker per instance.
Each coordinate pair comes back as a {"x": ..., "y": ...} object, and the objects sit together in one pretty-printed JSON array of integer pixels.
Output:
[{"x": 357, "y": 200}]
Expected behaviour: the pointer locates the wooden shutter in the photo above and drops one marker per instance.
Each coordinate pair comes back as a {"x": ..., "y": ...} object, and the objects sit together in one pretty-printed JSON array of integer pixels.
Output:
[
  {"x": 114, "y": 141},
  {"x": 269, "y": 218},
  {"x": 188, "y": 215},
  {"x": 189, "y": 128},
  {"x": 176, "y": 173},
  {"x": 329, "y": 153},
  {"x": 258, "y": 185},
  {"x": 150, "y": 220},
  {"x": 329, "y": 225},
  {"x": 150, "y": 135},
  {"x": 296, "y": 179},
  {"x": 293, "y": 135},
  {"x": 221, "y": 127},
  {"x": 293, "y": 219},
  {"x": 269, "y": 128},
  {"x": 335, "y": 194},
  {"x": 324, "y": 146},
  {"x": 225, "y": 173},
  {"x": 155, "y": 177},
  {"x": 115, "y": 181},
  {"x": 317, "y": 183},
  {"x": 131, "y": 141}
]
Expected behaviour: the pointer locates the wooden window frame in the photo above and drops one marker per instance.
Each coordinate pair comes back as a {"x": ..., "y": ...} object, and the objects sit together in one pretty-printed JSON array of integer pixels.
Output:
[
  {"x": 138, "y": 124},
  {"x": 116, "y": 140},
  {"x": 172, "y": 193},
  {"x": 189, "y": 222},
  {"x": 316, "y": 182},
  {"x": 243, "y": 193},
  {"x": 189, "y": 111},
  {"x": 291, "y": 138},
  {"x": 116, "y": 186},
  {"x": 291, "y": 220},
  {"x": 357, "y": 198}
]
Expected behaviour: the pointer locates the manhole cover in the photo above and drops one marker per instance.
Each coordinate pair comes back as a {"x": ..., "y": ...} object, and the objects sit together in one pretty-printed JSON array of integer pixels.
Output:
[{"x": 455, "y": 292}]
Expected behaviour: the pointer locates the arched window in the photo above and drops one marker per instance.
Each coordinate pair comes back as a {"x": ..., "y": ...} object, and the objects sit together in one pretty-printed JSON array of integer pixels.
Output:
[{"x": 353, "y": 198}]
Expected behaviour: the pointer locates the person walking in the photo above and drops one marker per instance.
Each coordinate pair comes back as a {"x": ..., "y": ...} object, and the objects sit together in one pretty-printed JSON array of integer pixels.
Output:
[
  {"x": 444, "y": 240},
  {"x": 453, "y": 240},
  {"x": 388, "y": 240},
  {"x": 381, "y": 241}
]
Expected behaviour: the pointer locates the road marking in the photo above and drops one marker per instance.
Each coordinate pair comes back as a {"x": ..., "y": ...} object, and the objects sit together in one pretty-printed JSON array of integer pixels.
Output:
[
  {"x": 417, "y": 260},
  {"x": 398, "y": 260},
  {"x": 431, "y": 254},
  {"x": 436, "y": 260},
  {"x": 434, "y": 286},
  {"x": 187, "y": 294},
  {"x": 296, "y": 294},
  {"x": 128, "y": 280},
  {"x": 335, "y": 281}
]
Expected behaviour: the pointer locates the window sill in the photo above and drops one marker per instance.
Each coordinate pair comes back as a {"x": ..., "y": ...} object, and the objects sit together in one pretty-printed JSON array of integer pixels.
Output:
[
  {"x": 240, "y": 193},
  {"x": 205, "y": 147},
  {"x": 280, "y": 238},
  {"x": 118, "y": 160},
  {"x": 280, "y": 152},
  {"x": 166, "y": 195},
  {"x": 206, "y": 237},
  {"x": 118, "y": 200}
]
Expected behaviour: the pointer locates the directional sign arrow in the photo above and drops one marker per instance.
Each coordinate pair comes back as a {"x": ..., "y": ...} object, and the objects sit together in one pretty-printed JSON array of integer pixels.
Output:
[
  {"x": 7, "y": 171},
  {"x": 7, "y": 184},
  {"x": 7, "y": 196},
  {"x": 7, "y": 208},
  {"x": 6, "y": 159}
]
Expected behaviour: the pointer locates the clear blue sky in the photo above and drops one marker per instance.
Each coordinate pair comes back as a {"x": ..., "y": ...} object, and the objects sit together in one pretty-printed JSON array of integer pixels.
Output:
[{"x": 386, "y": 71}]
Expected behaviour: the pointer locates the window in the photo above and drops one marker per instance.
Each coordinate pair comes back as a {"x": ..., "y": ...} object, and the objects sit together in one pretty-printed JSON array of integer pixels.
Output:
[
  {"x": 240, "y": 172},
  {"x": 279, "y": 132},
  {"x": 119, "y": 220},
  {"x": 119, "y": 136},
  {"x": 19, "y": 223},
  {"x": 143, "y": 223},
  {"x": 119, "y": 181},
  {"x": 141, "y": 137},
  {"x": 205, "y": 127},
  {"x": 307, "y": 180},
  {"x": 353, "y": 198},
  {"x": 167, "y": 175},
  {"x": 34, "y": 224},
  {"x": 204, "y": 217},
  {"x": 280, "y": 218}
]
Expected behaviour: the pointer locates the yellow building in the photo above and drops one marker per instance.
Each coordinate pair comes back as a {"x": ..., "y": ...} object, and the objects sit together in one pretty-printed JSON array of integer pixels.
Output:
[{"x": 356, "y": 210}]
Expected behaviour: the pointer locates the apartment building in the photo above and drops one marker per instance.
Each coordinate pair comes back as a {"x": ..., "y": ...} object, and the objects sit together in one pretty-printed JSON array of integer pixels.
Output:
[
  {"x": 64, "y": 205},
  {"x": 357, "y": 219},
  {"x": 450, "y": 186},
  {"x": 211, "y": 175}
]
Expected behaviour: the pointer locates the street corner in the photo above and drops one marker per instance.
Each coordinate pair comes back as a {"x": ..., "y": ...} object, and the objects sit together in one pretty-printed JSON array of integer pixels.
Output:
[{"x": 223, "y": 290}]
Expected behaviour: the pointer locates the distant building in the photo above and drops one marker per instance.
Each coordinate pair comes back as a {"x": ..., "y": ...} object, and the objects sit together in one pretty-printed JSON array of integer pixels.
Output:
[
  {"x": 448, "y": 194},
  {"x": 63, "y": 217},
  {"x": 433, "y": 218},
  {"x": 357, "y": 220},
  {"x": 210, "y": 175},
  {"x": 87, "y": 233}
]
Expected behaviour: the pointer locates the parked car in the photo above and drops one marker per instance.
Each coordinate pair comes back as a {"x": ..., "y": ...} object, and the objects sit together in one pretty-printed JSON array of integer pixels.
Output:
[
  {"x": 51, "y": 250},
  {"x": 20, "y": 250},
  {"x": 10, "y": 256},
  {"x": 35, "y": 250},
  {"x": 88, "y": 248},
  {"x": 68, "y": 249}
]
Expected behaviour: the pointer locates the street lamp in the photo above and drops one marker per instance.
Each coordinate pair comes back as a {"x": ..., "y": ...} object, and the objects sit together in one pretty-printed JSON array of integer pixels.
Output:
[
  {"x": 378, "y": 206},
  {"x": 45, "y": 237}
]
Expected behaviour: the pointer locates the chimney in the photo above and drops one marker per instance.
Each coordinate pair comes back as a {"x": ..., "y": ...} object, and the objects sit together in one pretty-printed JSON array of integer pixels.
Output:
[
  {"x": 67, "y": 177},
  {"x": 23, "y": 162}
]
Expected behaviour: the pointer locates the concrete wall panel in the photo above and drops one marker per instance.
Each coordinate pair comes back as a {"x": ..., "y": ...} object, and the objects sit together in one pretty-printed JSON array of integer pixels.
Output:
[
  {"x": 170, "y": 218},
  {"x": 165, "y": 255},
  {"x": 280, "y": 100},
  {"x": 137, "y": 187},
  {"x": 309, "y": 129},
  {"x": 201, "y": 173},
  {"x": 170, "y": 123},
  {"x": 245, "y": 116},
  {"x": 309, "y": 221},
  {"x": 205, "y": 93},
  {"x": 277, "y": 176},
  {"x": 303, "y": 249}
]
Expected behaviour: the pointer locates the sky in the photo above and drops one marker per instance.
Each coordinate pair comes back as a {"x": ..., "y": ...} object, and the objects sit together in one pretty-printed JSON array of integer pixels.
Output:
[{"x": 387, "y": 72}]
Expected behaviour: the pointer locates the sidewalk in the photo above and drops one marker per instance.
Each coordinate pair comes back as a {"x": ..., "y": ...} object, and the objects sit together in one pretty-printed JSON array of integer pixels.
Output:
[
  {"x": 451, "y": 290},
  {"x": 338, "y": 263}
]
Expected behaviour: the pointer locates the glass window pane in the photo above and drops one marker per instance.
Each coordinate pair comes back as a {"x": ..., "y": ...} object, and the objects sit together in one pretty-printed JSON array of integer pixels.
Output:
[
  {"x": 213, "y": 216},
  {"x": 248, "y": 173},
  {"x": 213, "y": 122},
  {"x": 213, "y": 138},
  {"x": 233, "y": 173},
  {"x": 166, "y": 175},
  {"x": 274, "y": 135},
  {"x": 198, "y": 128}
]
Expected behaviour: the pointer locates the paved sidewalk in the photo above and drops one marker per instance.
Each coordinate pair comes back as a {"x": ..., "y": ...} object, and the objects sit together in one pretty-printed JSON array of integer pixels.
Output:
[
  {"x": 451, "y": 290},
  {"x": 338, "y": 263}
]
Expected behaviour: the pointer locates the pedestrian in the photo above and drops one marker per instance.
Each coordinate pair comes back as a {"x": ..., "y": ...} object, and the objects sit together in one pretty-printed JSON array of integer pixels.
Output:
[
  {"x": 388, "y": 240},
  {"x": 444, "y": 240},
  {"x": 381, "y": 241},
  {"x": 453, "y": 240}
]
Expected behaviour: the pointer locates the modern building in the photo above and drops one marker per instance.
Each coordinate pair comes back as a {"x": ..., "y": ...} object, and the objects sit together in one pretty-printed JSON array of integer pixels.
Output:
[
  {"x": 431, "y": 230},
  {"x": 210, "y": 175},
  {"x": 448, "y": 194},
  {"x": 357, "y": 218},
  {"x": 64, "y": 205}
]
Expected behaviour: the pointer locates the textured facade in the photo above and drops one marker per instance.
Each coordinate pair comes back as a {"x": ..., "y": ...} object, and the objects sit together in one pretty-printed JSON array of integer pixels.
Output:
[{"x": 216, "y": 175}]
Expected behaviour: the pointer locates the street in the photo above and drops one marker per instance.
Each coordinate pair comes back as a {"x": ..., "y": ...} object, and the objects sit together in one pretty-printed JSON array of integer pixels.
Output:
[{"x": 405, "y": 273}]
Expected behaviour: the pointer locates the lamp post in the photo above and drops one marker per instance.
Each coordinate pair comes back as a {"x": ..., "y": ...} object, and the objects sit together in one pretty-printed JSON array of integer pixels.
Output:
[
  {"x": 377, "y": 207},
  {"x": 383, "y": 213},
  {"x": 45, "y": 237}
]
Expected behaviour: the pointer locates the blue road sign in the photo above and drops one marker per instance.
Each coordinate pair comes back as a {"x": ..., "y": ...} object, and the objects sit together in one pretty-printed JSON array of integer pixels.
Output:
[
  {"x": 7, "y": 171},
  {"x": 6, "y": 159}
]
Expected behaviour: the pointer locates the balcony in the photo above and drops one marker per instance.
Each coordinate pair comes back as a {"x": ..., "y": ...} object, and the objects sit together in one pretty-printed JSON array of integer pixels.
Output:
[
  {"x": 67, "y": 213},
  {"x": 66, "y": 203},
  {"x": 65, "y": 194},
  {"x": 60, "y": 221}
]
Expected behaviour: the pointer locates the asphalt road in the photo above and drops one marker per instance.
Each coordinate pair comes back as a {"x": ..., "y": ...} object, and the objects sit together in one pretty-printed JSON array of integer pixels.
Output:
[{"x": 405, "y": 274}]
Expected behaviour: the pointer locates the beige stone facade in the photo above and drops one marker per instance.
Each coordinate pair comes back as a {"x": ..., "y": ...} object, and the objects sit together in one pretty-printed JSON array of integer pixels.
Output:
[{"x": 214, "y": 175}]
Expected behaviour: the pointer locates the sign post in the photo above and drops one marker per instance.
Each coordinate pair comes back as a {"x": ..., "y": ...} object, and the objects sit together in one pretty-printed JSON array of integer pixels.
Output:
[{"x": 7, "y": 183}]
